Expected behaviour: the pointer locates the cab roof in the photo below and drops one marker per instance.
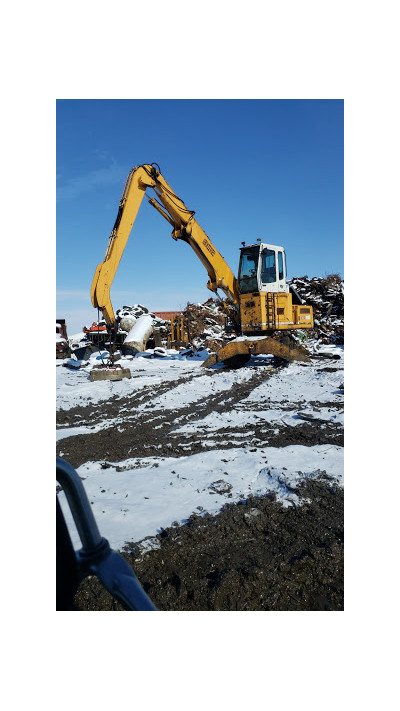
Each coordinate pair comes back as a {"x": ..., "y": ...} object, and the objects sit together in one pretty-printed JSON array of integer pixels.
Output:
[{"x": 263, "y": 245}]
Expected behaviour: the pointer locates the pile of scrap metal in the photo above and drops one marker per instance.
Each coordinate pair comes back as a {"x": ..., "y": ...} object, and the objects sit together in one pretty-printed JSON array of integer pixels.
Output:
[
  {"x": 200, "y": 326},
  {"x": 326, "y": 296},
  {"x": 208, "y": 326},
  {"x": 62, "y": 346},
  {"x": 138, "y": 329},
  {"x": 98, "y": 337}
]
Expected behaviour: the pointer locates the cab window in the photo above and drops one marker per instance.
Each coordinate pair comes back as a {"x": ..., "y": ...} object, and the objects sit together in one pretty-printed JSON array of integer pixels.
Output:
[
  {"x": 268, "y": 267},
  {"x": 248, "y": 270},
  {"x": 280, "y": 265}
]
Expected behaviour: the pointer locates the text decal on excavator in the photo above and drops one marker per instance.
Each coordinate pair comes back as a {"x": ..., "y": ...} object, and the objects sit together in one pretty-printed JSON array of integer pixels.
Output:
[{"x": 209, "y": 247}]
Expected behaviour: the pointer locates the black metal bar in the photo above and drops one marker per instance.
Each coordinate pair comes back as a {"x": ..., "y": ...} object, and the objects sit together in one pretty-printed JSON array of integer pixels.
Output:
[
  {"x": 79, "y": 504},
  {"x": 67, "y": 568},
  {"x": 95, "y": 556}
]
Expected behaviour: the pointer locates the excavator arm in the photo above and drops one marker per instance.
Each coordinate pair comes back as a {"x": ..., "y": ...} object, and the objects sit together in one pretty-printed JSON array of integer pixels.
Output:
[{"x": 185, "y": 228}]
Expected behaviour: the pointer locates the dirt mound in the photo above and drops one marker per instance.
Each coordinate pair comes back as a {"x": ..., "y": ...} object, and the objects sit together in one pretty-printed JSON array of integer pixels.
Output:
[{"x": 255, "y": 555}]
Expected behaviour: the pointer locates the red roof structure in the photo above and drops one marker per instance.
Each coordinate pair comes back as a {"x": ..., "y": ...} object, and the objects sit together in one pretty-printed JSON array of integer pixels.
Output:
[{"x": 166, "y": 315}]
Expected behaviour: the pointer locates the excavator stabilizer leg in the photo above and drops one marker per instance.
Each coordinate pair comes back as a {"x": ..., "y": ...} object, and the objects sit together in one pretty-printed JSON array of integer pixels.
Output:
[{"x": 237, "y": 353}]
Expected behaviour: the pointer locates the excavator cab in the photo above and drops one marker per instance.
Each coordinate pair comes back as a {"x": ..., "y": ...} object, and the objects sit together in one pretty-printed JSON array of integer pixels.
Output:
[
  {"x": 262, "y": 267},
  {"x": 265, "y": 298}
]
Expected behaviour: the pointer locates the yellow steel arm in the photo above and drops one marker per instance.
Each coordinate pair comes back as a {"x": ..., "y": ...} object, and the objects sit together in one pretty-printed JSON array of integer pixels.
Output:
[{"x": 185, "y": 227}]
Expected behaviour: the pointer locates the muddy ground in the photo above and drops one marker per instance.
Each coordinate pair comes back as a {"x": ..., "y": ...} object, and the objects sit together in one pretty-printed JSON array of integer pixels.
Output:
[
  {"x": 252, "y": 556},
  {"x": 255, "y": 555},
  {"x": 152, "y": 432}
]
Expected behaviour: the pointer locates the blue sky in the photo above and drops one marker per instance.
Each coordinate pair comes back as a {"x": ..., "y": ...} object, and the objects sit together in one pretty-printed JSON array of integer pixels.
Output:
[{"x": 249, "y": 168}]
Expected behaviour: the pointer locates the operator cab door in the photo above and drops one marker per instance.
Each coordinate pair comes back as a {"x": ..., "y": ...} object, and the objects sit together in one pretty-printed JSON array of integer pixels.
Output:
[{"x": 272, "y": 269}]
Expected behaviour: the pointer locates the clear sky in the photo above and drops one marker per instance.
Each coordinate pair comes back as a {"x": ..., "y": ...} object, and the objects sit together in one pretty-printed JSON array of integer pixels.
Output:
[{"x": 249, "y": 168}]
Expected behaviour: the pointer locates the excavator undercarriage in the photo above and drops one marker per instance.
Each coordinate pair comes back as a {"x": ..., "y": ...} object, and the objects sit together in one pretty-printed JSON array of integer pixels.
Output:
[{"x": 238, "y": 352}]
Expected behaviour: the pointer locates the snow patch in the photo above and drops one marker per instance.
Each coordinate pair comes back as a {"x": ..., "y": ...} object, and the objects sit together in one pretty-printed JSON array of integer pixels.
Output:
[{"x": 134, "y": 499}]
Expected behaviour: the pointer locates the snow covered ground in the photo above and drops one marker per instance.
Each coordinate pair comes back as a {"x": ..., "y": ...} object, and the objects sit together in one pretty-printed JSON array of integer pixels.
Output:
[
  {"x": 144, "y": 372},
  {"x": 134, "y": 499},
  {"x": 151, "y": 494}
]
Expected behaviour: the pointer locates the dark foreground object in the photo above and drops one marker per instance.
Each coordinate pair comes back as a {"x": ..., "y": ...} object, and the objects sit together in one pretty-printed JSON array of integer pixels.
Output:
[
  {"x": 252, "y": 556},
  {"x": 95, "y": 556}
]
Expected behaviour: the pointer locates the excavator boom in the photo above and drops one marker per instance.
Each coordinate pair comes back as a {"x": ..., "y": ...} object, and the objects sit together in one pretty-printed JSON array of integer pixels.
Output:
[{"x": 185, "y": 228}]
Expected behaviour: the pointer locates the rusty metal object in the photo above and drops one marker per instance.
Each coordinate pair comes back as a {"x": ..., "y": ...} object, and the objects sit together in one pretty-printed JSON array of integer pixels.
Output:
[
  {"x": 62, "y": 346},
  {"x": 179, "y": 337},
  {"x": 106, "y": 372},
  {"x": 62, "y": 349}
]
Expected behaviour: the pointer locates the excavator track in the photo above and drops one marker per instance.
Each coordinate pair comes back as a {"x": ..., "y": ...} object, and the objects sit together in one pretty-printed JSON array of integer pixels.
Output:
[{"x": 237, "y": 353}]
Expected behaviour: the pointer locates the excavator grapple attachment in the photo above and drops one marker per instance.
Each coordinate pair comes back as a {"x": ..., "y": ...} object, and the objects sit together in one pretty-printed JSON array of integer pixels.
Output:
[{"x": 237, "y": 352}]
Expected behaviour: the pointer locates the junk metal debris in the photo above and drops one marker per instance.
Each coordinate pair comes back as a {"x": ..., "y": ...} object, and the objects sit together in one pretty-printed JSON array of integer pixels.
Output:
[
  {"x": 208, "y": 326},
  {"x": 326, "y": 296},
  {"x": 62, "y": 345}
]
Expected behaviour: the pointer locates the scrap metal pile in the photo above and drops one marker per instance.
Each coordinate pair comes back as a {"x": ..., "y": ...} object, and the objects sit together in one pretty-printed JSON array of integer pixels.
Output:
[
  {"x": 128, "y": 315},
  {"x": 326, "y": 296},
  {"x": 207, "y": 324}
]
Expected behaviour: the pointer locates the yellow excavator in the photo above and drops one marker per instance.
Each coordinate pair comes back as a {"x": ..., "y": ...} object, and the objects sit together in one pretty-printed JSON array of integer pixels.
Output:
[{"x": 259, "y": 301}]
